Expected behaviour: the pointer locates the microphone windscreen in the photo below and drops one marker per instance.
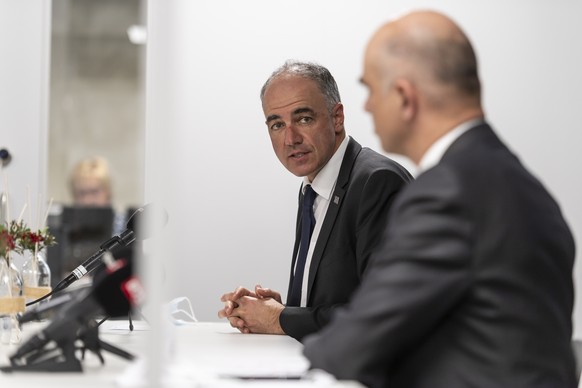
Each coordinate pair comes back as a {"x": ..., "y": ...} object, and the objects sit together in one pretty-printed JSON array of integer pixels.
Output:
[
  {"x": 108, "y": 290},
  {"x": 147, "y": 220}
]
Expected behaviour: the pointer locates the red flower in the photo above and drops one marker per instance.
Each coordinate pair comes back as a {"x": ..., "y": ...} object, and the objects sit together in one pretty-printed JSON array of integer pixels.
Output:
[
  {"x": 25, "y": 239},
  {"x": 6, "y": 242}
]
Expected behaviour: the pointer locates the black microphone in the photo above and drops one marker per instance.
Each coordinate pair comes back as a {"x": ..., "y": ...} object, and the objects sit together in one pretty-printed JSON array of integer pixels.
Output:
[
  {"x": 139, "y": 226},
  {"x": 112, "y": 294},
  {"x": 46, "y": 310}
]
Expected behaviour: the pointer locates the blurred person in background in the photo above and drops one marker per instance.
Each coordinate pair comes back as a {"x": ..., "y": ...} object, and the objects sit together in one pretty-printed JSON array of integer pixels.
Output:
[
  {"x": 90, "y": 185},
  {"x": 91, "y": 182}
]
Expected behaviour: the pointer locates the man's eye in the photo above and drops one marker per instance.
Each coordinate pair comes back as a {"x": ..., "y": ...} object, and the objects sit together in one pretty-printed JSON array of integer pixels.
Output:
[
  {"x": 276, "y": 126},
  {"x": 305, "y": 119}
]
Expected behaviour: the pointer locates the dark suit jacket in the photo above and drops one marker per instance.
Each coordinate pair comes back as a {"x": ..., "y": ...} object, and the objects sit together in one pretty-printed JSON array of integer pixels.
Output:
[
  {"x": 470, "y": 287},
  {"x": 366, "y": 186}
]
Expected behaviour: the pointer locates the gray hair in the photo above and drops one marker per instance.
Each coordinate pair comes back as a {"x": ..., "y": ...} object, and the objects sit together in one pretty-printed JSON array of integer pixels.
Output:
[{"x": 312, "y": 71}]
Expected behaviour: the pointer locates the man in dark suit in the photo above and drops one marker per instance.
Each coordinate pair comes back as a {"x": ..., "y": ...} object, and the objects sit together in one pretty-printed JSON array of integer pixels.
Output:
[
  {"x": 354, "y": 188},
  {"x": 471, "y": 285}
]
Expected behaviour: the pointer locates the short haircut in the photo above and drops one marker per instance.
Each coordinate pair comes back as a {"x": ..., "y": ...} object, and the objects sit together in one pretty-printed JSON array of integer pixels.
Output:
[{"x": 312, "y": 71}]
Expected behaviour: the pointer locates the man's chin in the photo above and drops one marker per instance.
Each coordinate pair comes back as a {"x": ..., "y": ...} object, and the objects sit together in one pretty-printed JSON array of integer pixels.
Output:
[{"x": 299, "y": 171}]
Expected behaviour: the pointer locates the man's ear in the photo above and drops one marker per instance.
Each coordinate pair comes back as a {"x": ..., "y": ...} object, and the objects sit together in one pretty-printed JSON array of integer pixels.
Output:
[
  {"x": 338, "y": 117},
  {"x": 408, "y": 98}
]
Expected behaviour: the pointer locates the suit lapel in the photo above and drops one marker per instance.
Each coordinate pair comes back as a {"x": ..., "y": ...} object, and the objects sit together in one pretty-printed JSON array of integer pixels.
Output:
[{"x": 352, "y": 151}]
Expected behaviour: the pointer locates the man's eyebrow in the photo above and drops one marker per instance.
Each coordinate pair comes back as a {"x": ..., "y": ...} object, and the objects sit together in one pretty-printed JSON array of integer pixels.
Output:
[
  {"x": 297, "y": 111},
  {"x": 362, "y": 81},
  {"x": 303, "y": 110},
  {"x": 272, "y": 117}
]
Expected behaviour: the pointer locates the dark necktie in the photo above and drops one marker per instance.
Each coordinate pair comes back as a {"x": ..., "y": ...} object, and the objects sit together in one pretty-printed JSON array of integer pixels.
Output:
[{"x": 307, "y": 224}]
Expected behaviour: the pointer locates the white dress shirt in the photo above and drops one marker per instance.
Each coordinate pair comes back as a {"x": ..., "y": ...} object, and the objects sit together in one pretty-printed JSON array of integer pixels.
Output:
[
  {"x": 323, "y": 185},
  {"x": 436, "y": 151}
]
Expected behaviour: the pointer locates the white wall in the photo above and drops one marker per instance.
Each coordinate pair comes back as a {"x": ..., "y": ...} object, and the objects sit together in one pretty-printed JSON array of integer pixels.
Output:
[
  {"x": 232, "y": 205},
  {"x": 24, "y": 47}
]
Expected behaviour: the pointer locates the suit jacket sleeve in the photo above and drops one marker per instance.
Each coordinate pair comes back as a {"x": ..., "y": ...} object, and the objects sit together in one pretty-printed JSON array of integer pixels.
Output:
[
  {"x": 370, "y": 210},
  {"x": 414, "y": 277}
]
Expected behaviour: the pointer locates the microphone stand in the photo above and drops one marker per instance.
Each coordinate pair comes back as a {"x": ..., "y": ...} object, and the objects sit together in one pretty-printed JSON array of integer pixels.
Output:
[
  {"x": 129, "y": 318},
  {"x": 92, "y": 343},
  {"x": 61, "y": 357}
]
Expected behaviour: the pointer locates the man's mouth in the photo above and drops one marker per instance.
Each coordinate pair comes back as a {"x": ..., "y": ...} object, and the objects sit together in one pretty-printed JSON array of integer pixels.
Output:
[{"x": 297, "y": 155}]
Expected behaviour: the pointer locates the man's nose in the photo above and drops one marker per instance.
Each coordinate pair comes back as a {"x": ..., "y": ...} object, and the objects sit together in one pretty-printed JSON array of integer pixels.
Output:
[{"x": 292, "y": 135}]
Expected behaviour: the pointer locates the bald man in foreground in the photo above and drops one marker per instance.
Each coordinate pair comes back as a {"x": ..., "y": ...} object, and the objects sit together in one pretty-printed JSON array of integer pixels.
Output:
[{"x": 472, "y": 284}]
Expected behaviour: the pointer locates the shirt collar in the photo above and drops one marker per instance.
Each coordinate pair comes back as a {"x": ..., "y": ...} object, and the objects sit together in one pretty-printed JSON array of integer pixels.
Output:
[
  {"x": 436, "y": 151},
  {"x": 324, "y": 181}
]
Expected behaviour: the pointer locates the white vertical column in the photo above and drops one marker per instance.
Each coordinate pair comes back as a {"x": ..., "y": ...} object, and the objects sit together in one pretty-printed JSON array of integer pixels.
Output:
[
  {"x": 162, "y": 94},
  {"x": 25, "y": 30}
]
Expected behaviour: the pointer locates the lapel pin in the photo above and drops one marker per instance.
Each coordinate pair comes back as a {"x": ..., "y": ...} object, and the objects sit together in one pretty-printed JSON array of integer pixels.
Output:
[{"x": 336, "y": 200}]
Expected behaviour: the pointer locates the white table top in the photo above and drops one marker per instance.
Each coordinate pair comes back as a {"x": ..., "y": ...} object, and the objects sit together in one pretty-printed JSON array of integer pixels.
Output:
[{"x": 202, "y": 354}]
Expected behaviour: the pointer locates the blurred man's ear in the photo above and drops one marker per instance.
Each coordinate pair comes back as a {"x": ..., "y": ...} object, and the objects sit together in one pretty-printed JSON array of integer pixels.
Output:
[
  {"x": 408, "y": 95},
  {"x": 338, "y": 117}
]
